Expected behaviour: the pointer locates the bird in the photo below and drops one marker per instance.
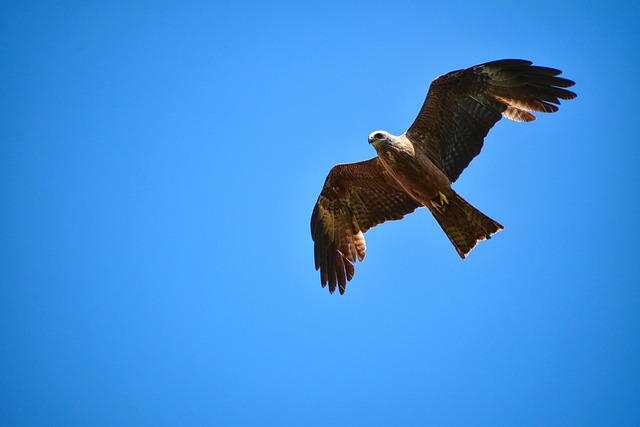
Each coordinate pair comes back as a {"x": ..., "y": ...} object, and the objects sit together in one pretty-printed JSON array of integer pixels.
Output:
[{"x": 417, "y": 168}]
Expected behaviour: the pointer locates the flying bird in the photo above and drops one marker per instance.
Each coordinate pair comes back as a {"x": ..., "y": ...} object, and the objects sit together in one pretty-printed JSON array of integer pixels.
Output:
[{"x": 417, "y": 168}]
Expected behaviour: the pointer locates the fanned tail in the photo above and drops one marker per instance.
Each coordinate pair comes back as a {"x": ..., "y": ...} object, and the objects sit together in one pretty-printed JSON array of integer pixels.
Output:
[{"x": 463, "y": 224}]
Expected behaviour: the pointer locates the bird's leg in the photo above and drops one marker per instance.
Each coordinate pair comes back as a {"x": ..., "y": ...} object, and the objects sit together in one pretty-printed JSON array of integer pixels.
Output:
[{"x": 440, "y": 202}]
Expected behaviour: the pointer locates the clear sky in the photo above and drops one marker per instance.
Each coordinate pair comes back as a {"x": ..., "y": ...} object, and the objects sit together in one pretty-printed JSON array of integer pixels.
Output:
[{"x": 159, "y": 162}]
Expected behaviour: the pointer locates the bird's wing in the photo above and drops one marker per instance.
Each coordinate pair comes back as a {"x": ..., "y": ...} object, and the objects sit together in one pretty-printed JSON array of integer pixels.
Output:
[
  {"x": 355, "y": 197},
  {"x": 462, "y": 106}
]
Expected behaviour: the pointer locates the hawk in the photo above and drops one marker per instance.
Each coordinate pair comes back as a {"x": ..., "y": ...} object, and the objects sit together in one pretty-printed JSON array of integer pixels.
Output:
[{"x": 417, "y": 168}]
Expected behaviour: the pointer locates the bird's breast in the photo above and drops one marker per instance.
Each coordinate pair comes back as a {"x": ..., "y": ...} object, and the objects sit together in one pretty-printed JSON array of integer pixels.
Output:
[{"x": 417, "y": 174}]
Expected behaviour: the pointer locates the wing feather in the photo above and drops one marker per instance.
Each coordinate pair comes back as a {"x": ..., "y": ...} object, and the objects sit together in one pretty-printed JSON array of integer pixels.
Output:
[
  {"x": 462, "y": 106},
  {"x": 355, "y": 197}
]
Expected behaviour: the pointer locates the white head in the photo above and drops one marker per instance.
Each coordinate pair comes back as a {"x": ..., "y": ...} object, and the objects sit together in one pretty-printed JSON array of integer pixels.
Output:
[
  {"x": 390, "y": 146},
  {"x": 384, "y": 142},
  {"x": 380, "y": 136}
]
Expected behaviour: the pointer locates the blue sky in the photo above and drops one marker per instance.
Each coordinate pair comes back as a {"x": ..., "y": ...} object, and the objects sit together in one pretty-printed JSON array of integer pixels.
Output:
[{"x": 159, "y": 162}]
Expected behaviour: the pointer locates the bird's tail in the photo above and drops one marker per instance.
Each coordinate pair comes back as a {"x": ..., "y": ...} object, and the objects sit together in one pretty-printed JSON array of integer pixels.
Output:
[{"x": 463, "y": 224}]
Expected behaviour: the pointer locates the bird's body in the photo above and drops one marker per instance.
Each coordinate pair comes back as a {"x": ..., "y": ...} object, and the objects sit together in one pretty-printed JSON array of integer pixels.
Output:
[
  {"x": 413, "y": 169},
  {"x": 410, "y": 166},
  {"x": 417, "y": 168}
]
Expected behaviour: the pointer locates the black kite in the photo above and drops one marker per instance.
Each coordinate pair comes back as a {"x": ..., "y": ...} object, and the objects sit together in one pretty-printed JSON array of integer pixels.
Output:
[{"x": 416, "y": 169}]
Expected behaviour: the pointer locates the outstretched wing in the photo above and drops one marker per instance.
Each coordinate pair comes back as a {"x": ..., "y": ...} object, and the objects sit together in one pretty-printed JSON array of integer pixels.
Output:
[
  {"x": 355, "y": 197},
  {"x": 462, "y": 106}
]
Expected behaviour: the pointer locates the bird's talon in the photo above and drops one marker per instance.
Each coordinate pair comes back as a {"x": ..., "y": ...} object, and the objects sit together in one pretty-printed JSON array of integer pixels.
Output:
[{"x": 441, "y": 204}]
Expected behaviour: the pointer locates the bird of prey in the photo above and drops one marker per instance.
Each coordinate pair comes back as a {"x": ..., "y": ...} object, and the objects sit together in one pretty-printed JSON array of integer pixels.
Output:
[{"x": 417, "y": 168}]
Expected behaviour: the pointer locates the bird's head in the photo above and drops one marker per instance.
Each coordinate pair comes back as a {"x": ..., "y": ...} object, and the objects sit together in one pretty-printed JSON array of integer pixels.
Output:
[
  {"x": 389, "y": 146},
  {"x": 379, "y": 138},
  {"x": 382, "y": 141}
]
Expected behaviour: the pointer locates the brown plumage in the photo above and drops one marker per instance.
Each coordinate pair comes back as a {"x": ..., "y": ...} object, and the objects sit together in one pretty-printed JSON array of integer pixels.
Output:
[{"x": 416, "y": 169}]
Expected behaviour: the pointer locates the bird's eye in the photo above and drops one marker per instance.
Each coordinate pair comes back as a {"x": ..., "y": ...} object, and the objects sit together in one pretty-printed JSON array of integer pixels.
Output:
[{"x": 378, "y": 135}]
